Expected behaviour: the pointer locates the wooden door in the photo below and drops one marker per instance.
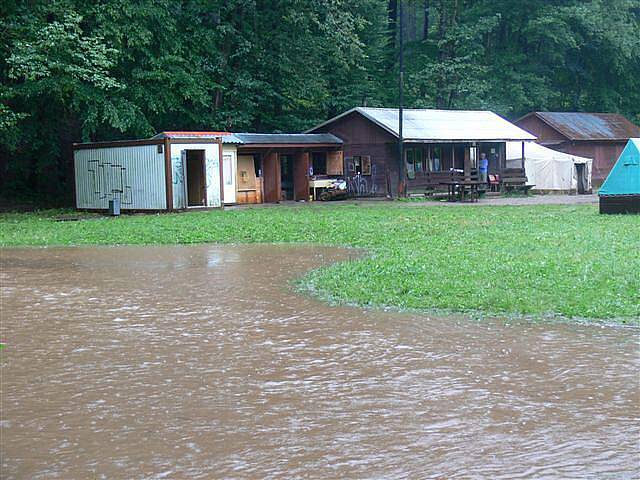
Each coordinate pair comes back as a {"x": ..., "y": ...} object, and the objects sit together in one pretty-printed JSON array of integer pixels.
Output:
[{"x": 271, "y": 178}]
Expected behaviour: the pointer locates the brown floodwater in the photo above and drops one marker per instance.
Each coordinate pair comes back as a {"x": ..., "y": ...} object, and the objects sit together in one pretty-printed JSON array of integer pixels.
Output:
[{"x": 202, "y": 362}]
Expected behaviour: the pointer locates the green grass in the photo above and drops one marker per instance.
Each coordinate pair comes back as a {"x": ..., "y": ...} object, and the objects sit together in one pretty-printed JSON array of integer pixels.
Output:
[{"x": 535, "y": 261}]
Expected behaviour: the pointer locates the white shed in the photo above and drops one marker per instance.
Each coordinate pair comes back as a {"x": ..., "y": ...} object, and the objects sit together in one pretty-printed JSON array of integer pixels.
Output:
[
  {"x": 160, "y": 173},
  {"x": 229, "y": 156}
]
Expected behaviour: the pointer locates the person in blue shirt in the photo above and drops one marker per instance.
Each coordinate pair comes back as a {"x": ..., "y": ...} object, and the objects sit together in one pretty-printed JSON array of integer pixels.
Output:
[{"x": 483, "y": 169}]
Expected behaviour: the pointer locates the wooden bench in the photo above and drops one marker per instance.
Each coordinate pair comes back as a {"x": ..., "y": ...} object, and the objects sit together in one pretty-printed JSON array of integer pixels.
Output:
[{"x": 517, "y": 187}]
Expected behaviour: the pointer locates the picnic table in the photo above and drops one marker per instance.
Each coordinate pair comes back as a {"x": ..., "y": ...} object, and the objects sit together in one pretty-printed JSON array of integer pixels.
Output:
[{"x": 462, "y": 190}]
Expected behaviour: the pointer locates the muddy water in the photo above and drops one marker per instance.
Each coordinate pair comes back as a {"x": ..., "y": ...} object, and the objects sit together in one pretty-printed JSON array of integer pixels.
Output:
[{"x": 199, "y": 362}]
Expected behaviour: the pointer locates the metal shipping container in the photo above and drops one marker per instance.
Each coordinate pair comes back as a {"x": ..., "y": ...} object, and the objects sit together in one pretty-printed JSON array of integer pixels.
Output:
[
  {"x": 134, "y": 173},
  {"x": 151, "y": 174}
]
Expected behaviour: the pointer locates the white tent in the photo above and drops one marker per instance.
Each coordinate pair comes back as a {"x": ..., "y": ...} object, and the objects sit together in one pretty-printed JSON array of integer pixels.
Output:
[{"x": 550, "y": 170}]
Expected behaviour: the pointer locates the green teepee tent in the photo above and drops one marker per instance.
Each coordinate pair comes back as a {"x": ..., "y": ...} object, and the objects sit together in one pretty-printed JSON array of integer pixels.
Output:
[{"x": 620, "y": 192}]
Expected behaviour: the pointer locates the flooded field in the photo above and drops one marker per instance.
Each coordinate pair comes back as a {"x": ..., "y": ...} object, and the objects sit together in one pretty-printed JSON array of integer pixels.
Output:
[{"x": 201, "y": 362}]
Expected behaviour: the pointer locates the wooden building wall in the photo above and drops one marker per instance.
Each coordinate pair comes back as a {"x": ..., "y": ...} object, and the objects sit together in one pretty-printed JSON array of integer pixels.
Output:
[
  {"x": 363, "y": 138},
  {"x": 540, "y": 129},
  {"x": 603, "y": 153}
]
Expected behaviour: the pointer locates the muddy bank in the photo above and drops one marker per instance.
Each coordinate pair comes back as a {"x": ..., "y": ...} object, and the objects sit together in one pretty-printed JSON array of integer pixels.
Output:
[{"x": 200, "y": 362}]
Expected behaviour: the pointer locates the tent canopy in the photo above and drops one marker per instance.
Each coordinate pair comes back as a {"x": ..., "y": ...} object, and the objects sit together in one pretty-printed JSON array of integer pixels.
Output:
[
  {"x": 624, "y": 178},
  {"x": 549, "y": 169}
]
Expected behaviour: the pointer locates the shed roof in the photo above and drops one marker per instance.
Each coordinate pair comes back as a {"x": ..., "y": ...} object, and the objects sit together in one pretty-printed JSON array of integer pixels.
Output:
[
  {"x": 258, "y": 138},
  {"x": 288, "y": 138},
  {"x": 624, "y": 178},
  {"x": 589, "y": 126},
  {"x": 227, "y": 137},
  {"x": 441, "y": 125}
]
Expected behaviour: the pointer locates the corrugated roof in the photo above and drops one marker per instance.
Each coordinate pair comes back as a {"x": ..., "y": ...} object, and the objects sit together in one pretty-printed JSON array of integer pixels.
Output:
[
  {"x": 288, "y": 138},
  {"x": 590, "y": 126},
  {"x": 227, "y": 137},
  {"x": 257, "y": 138},
  {"x": 441, "y": 125}
]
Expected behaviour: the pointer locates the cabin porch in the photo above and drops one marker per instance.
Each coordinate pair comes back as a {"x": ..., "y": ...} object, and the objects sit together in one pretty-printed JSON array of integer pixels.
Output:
[{"x": 437, "y": 166}]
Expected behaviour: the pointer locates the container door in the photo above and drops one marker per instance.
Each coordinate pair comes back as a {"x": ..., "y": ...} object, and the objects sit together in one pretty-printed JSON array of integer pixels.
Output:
[{"x": 229, "y": 177}]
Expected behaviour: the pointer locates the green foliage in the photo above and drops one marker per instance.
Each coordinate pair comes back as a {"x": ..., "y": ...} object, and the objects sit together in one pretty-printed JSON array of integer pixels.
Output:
[
  {"x": 538, "y": 261},
  {"x": 75, "y": 71}
]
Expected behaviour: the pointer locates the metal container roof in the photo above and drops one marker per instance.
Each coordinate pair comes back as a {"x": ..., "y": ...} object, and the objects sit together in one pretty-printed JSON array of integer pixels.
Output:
[
  {"x": 288, "y": 138},
  {"x": 589, "y": 126},
  {"x": 227, "y": 137},
  {"x": 441, "y": 125}
]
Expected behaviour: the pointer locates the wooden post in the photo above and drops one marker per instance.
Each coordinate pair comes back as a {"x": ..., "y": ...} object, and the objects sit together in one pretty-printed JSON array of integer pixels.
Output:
[
  {"x": 467, "y": 164},
  {"x": 168, "y": 173},
  {"x": 221, "y": 168}
]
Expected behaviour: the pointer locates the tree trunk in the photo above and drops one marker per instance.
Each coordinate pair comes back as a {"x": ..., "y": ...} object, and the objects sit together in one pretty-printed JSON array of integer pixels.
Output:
[
  {"x": 392, "y": 22},
  {"x": 425, "y": 25},
  {"x": 410, "y": 22}
]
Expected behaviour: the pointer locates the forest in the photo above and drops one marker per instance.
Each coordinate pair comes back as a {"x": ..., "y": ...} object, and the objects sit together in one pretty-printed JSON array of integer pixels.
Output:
[{"x": 75, "y": 71}]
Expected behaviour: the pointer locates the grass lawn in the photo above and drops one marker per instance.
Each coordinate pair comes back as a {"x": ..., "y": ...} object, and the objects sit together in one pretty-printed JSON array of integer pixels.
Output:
[{"x": 536, "y": 260}]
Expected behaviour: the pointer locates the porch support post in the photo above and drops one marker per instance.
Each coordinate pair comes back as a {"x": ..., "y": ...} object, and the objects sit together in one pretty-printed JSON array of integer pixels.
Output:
[
  {"x": 467, "y": 163},
  {"x": 523, "y": 155}
]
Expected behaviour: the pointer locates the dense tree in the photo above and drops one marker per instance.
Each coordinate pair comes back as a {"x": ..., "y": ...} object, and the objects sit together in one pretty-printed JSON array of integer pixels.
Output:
[{"x": 73, "y": 70}]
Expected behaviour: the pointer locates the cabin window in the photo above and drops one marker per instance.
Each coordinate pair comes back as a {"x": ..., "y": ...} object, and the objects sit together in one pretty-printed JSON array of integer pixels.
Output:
[
  {"x": 362, "y": 165},
  {"x": 473, "y": 157},
  {"x": 458, "y": 157},
  {"x": 415, "y": 158},
  {"x": 410, "y": 156},
  {"x": 319, "y": 163},
  {"x": 419, "y": 160},
  {"x": 435, "y": 154},
  {"x": 227, "y": 169}
]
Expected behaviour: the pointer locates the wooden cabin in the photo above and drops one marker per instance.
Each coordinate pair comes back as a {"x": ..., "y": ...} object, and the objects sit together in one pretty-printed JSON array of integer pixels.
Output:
[
  {"x": 278, "y": 167},
  {"x": 440, "y": 146},
  {"x": 270, "y": 167},
  {"x": 600, "y": 136}
]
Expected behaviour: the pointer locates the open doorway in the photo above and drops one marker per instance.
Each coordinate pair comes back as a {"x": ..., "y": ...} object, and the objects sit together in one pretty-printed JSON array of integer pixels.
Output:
[
  {"x": 196, "y": 178},
  {"x": 286, "y": 176},
  {"x": 581, "y": 173}
]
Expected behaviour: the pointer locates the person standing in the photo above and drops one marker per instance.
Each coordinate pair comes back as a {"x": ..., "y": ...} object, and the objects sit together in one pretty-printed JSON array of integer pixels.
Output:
[{"x": 483, "y": 168}]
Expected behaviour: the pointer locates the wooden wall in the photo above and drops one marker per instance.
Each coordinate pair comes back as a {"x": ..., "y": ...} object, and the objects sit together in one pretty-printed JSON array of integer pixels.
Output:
[
  {"x": 603, "y": 153},
  {"x": 540, "y": 129},
  {"x": 363, "y": 138}
]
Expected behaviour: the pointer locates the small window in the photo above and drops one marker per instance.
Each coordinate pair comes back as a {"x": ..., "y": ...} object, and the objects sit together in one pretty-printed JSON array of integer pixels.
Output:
[
  {"x": 473, "y": 157},
  {"x": 436, "y": 155},
  {"x": 227, "y": 169},
  {"x": 419, "y": 160},
  {"x": 410, "y": 158},
  {"x": 366, "y": 164},
  {"x": 360, "y": 165}
]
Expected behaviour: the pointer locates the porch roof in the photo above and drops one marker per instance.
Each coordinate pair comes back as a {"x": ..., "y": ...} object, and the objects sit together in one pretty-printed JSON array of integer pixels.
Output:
[{"x": 285, "y": 139}]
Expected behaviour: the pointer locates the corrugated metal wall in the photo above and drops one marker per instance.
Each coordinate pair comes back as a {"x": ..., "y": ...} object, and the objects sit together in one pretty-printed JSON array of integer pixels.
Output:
[
  {"x": 133, "y": 173},
  {"x": 212, "y": 161}
]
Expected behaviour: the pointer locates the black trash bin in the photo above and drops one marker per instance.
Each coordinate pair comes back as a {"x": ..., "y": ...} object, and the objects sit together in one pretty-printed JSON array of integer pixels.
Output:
[{"x": 114, "y": 207}]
